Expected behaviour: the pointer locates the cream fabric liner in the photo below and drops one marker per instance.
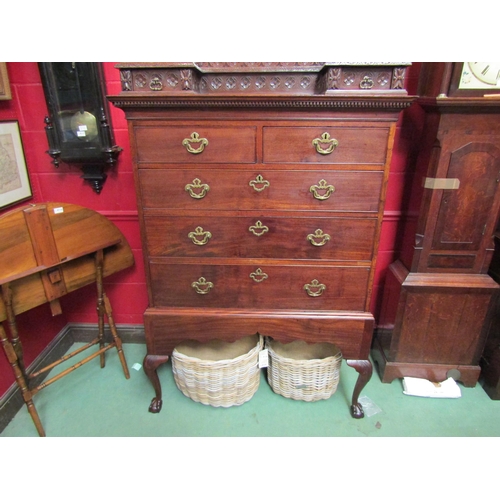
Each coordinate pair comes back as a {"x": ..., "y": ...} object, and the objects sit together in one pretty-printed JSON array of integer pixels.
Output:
[
  {"x": 301, "y": 350},
  {"x": 217, "y": 350}
]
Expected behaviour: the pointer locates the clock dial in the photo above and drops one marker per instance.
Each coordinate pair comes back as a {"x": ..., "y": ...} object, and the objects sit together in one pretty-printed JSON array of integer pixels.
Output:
[
  {"x": 487, "y": 72},
  {"x": 84, "y": 126},
  {"x": 480, "y": 75}
]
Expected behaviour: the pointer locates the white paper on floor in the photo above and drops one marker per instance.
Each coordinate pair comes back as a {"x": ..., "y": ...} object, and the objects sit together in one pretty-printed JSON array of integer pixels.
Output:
[
  {"x": 369, "y": 407},
  {"x": 413, "y": 386}
]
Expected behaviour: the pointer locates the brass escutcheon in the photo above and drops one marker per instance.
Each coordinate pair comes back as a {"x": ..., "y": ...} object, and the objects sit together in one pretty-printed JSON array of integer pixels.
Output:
[
  {"x": 200, "y": 237},
  {"x": 202, "y": 286},
  {"x": 259, "y": 276},
  {"x": 325, "y": 144},
  {"x": 205, "y": 188},
  {"x": 318, "y": 235},
  {"x": 315, "y": 288},
  {"x": 196, "y": 139},
  {"x": 259, "y": 229},
  {"x": 259, "y": 184},
  {"x": 322, "y": 186}
]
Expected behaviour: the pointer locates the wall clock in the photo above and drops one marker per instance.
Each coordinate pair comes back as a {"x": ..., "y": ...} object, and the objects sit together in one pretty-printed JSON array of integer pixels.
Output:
[{"x": 77, "y": 126}]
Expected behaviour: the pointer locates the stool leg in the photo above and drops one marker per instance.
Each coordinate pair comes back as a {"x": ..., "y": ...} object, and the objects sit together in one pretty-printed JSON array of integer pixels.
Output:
[
  {"x": 21, "y": 380},
  {"x": 114, "y": 333},
  {"x": 11, "y": 320},
  {"x": 100, "y": 302}
]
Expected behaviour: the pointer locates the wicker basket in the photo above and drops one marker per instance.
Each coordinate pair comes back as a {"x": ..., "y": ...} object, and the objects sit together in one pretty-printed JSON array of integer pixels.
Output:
[
  {"x": 307, "y": 372},
  {"x": 218, "y": 373}
]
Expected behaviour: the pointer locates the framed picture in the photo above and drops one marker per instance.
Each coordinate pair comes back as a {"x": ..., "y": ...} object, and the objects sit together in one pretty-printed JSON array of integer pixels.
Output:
[
  {"x": 14, "y": 180},
  {"x": 4, "y": 82}
]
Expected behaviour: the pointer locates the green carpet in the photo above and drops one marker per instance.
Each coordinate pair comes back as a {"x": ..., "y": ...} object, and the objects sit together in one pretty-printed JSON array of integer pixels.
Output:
[
  {"x": 95, "y": 402},
  {"x": 323, "y": 456}
]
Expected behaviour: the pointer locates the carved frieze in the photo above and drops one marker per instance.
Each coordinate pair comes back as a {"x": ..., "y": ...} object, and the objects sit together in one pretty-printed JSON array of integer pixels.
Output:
[{"x": 287, "y": 78}]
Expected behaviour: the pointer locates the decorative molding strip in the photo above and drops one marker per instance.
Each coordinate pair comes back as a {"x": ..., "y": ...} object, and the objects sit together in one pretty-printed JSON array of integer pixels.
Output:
[
  {"x": 120, "y": 216},
  {"x": 12, "y": 401},
  {"x": 259, "y": 66},
  {"x": 397, "y": 215},
  {"x": 382, "y": 102}
]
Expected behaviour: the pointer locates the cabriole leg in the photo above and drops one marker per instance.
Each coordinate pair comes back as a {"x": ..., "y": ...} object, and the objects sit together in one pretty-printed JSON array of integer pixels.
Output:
[
  {"x": 364, "y": 368},
  {"x": 151, "y": 364}
]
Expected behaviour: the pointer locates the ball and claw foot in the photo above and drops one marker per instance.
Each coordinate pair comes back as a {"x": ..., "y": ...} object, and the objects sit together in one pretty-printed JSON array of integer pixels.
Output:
[
  {"x": 155, "y": 405},
  {"x": 357, "y": 411}
]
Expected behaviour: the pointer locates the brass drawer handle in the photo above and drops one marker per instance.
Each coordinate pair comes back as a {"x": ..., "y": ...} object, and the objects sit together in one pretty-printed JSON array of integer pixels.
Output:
[
  {"x": 325, "y": 144},
  {"x": 200, "y": 142},
  {"x": 259, "y": 276},
  {"x": 197, "y": 185},
  {"x": 259, "y": 184},
  {"x": 202, "y": 286},
  {"x": 322, "y": 186},
  {"x": 200, "y": 237},
  {"x": 259, "y": 229},
  {"x": 319, "y": 238},
  {"x": 315, "y": 288}
]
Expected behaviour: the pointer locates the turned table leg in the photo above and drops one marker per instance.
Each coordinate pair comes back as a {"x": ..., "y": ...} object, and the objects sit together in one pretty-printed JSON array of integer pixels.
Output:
[
  {"x": 364, "y": 368},
  {"x": 151, "y": 364},
  {"x": 21, "y": 380}
]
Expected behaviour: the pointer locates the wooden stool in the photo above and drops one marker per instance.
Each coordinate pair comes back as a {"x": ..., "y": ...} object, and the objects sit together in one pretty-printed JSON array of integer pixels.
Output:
[{"x": 47, "y": 251}]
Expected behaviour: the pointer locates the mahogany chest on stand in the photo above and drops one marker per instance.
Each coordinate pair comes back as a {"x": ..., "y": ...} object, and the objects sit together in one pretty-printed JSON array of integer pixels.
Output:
[{"x": 261, "y": 189}]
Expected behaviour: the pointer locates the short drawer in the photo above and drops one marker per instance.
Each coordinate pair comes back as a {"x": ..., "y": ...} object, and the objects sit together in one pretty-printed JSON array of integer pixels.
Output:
[
  {"x": 327, "y": 145},
  {"x": 219, "y": 189},
  {"x": 263, "y": 287},
  {"x": 195, "y": 144},
  {"x": 333, "y": 238}
]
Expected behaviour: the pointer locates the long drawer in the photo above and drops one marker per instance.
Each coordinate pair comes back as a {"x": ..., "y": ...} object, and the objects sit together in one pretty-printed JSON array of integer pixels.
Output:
[
  {"x": 333, "y": 238},
  {"x": 195, "y": 143},
  {"x": 220, "y": 189},
  {"x": 266, "y": 286}
]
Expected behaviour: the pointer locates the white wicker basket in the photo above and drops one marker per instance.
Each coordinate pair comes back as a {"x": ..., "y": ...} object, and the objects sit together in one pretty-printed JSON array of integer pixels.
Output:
[
  {"x": 307, "y": 372},
  {"x": 218, "y": 373}
]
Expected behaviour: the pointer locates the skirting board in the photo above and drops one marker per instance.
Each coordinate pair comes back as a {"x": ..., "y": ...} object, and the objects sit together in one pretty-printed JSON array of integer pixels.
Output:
[{"x": 12, "y": 401}]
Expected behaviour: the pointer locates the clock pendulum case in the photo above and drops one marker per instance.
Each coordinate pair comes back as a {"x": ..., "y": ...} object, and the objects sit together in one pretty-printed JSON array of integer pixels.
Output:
[{"x": 434, "y": 318}]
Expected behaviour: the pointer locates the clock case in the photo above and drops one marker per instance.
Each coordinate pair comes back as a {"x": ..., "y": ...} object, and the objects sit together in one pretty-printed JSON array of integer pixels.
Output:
[{"x": 435, "y": 312}]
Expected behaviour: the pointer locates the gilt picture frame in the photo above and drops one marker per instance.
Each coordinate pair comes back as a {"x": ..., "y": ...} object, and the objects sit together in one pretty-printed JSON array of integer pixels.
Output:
[
  {"x": 14, "y": 179},
  {"x": 5, "y": 93}
]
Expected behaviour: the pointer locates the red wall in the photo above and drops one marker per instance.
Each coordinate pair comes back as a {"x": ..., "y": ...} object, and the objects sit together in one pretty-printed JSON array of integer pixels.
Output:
[{"x": 117, "y": 201}]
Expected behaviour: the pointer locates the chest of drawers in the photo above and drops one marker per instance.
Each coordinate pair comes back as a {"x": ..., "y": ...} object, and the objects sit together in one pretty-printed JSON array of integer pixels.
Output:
[{"x": 261, "y": 189}]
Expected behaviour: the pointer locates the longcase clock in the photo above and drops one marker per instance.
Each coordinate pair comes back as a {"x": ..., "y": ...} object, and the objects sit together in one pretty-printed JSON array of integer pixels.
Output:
[{"x": 437, "y": 294}]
